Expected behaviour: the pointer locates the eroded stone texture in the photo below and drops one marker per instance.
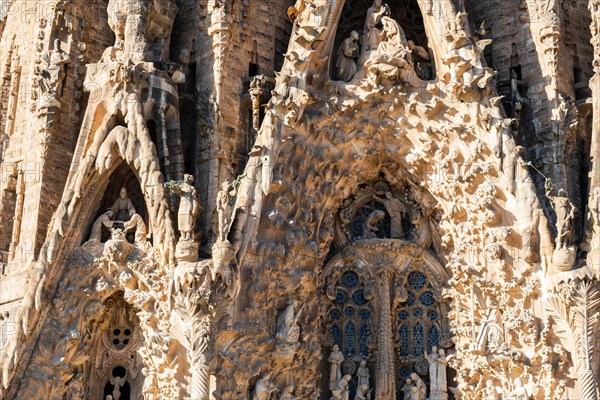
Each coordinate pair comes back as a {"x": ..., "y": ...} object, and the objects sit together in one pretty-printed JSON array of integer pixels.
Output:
[{"x": 302, "y": 199}]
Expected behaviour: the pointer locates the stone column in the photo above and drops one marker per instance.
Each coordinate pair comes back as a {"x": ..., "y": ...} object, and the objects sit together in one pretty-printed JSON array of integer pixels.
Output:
[
  {"x": 191, "y": 297},
  {"x": 386, "y": 383},
  {"x": 18, "y": 217},
  {"x": 593, "y": 258}
]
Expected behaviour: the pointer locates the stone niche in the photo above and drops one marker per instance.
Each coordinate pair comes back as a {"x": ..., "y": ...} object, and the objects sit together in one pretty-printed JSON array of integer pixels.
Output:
[
  {"x": 406, "y": 13},
  {"x": 115, "y": 367},
  {"x": 123, "y": 177}
]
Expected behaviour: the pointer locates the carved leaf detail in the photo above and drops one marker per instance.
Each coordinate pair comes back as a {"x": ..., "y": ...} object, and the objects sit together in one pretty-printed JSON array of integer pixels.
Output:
[{"x": 586, "y": 319}]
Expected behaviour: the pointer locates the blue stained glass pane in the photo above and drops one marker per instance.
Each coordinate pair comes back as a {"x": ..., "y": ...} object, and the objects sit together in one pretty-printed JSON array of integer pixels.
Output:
[
  {"x": 359, "y": 298},
  {"x": 427, "y": 299},
  {"x": 364, "y": 314},
  {"x": 404, "y": 373},
  {"x": 411, "y": 299},
  {"x": 350, "y": 339},
  {"x": 363, "y": 334},
  {"x": 336, "y": 333},
  {"x": 335, "y": 314},
  {"x": 418, "y": 312},
  {"x": 341, "y": 297},
  {"x": 418, "y": 339},
  {"x": 434, "y": 337},
  {"x": 404, "y": 341},
  {"x": 432, "y": 315},
  {"x": 350, "y": 279},
  {"x": 417, "y": 280},
  {"x": 350, "y": 311},
  {"x": 403, "y": 314}
]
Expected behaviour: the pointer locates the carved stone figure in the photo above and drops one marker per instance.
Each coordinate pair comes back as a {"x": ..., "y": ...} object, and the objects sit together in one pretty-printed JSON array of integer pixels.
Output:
[
  {"x": 432, "y": 359},
  {"x": 391, "y": 61},
  {"x": 438, "y": 385},
  {"x": 421, "y": 60},
  {"x": 370, "y": 225},
  {"x": 137, "y": 223},
  {"x": 51, "y": 78},
  {"x": 287, "y": 393},
  {"x": 362, "y": 393},
  {"x": 345, "y": 66},
  {"x": 189, "y": 206},
  {"x": 407, "y": 389},
  {"x": 489, "y": 337},
  {"x": 264, "y": 388},
  {"x": 288, "y": 331},
  {"x": 342, "y": 391},
  {"x": 371, "y": 34},
  {"x": 336, "y": 358},
  {"x": 104, "y": 220},
  {"x": 363, "y": 375},
  {"x": 224, "y": 198},
  {"x": 396, "y": 209},
  {"x": 418, "y": 389},
  {"x": 118, "y": 383},
  {"x": 565, "y": 212},
  {"x": 123, "y": 208}
]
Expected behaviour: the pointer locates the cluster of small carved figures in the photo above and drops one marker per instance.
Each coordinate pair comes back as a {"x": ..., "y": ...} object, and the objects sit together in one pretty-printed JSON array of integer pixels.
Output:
[
  {"x": 122, "y": 217},
  {"x": 382, "y": 42},
  {"x": 414, "y": 388}
]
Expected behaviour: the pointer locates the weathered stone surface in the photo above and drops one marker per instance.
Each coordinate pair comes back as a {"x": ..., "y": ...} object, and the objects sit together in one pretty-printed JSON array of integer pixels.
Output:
[{"x": 299, "y": 199}]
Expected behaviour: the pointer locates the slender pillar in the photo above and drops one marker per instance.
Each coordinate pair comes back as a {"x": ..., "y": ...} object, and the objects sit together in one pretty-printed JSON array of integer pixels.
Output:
[{"x": 386, "y": 383}]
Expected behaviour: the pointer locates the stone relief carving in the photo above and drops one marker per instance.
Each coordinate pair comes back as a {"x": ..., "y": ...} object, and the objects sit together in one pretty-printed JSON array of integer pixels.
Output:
[
  {"x": 52, "y": 76},
  {"x": 345, "y": 66},
  {"x": 423, "y": 221}
]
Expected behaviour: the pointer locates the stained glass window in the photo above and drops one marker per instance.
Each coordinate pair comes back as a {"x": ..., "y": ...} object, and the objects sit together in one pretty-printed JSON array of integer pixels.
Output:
[
  {"x": 363, "y": 335},
  {"x": 418, "y": 317},
  {"x": 418, "y": 339},
  {"x": 434, "y": 337},
  {"x": 350, "y": 339},
  {"x": 350, "y": 279},
  {"x": 404, "y": 341},
  {"x": 350, "y": 316}
]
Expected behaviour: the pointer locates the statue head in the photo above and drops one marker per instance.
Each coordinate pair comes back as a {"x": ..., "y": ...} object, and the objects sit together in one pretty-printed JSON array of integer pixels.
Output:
[
  {"x": 442, "y": 352},
  {"x": 347, "y": 378},
  {"x": 57, "y": 45},
  {"x": 109, "y": 213},
  {"x": 377, "y": 4},
  {"x": 414, "y": 376},
  {"x": 187, "y": 178},
  {"x": 184, "y": 56},
  {"x": 335, "y": 348},
  {"x": 123, "y": 193},
  {"x": 266, "y": 375},
  {"x": 408, "y": 381},
  {"x": 364, "y": 388},
  {"x": 363, "y": 363},
  {"x": 288, "y": 389},
  {"x": 434, "y": 349},
  {"x": 354, "y": 35}
]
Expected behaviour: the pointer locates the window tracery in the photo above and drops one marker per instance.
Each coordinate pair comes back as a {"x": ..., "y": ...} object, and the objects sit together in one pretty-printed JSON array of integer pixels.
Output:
[{"x": 384, "y": 288}]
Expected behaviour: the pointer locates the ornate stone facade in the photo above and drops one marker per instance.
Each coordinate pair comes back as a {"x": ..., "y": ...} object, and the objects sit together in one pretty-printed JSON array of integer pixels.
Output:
[{"x": 301, "y": 199}]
